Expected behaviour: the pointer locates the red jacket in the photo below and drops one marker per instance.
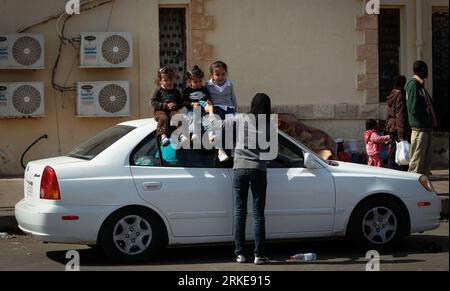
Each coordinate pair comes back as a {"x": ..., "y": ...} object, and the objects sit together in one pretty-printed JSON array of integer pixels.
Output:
[{"x": 374, "y": 142}]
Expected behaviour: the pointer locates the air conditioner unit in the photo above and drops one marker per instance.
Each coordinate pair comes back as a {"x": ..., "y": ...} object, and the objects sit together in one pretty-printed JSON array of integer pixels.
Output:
[
  {"x": 103, "y": 99},
  {"x": 106, "y": 50},
  {"x": 22, "y": 51},
  {"x": 22, "y": 99}
]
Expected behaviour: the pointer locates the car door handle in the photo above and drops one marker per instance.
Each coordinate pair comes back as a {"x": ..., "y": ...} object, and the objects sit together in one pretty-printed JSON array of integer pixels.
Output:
[{"x": 151, "y": 186}]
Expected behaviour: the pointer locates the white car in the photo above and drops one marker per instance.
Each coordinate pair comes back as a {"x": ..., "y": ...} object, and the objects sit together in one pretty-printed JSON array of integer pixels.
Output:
[{"x": 115, "y": 192}]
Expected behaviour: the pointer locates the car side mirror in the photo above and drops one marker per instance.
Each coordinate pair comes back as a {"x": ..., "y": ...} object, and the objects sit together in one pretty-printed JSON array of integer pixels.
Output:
[{"x": 311, "y": 163}]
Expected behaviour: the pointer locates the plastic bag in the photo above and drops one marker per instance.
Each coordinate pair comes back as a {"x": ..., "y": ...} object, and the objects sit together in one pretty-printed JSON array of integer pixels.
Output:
[{"x": 402, "y": 155}]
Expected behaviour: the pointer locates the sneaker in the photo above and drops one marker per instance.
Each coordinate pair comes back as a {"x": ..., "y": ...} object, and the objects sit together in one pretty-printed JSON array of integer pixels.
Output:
[
  {"x": 164, "y": 140},
  {"x": 241, "y": 259},
  {"x": 194, "y": 137},
  {"x": 223, "y": 157},
  {"x": 262, "y": 261}
]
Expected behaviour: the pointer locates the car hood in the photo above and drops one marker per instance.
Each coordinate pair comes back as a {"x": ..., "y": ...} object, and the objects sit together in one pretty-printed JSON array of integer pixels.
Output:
[{"x": 364, "y": 170}]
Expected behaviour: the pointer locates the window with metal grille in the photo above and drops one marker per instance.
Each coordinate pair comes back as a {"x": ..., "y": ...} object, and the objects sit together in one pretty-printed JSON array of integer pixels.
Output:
[
  {"x": 388, "y": 49},
  {"x": 172, "y": 36},
  {"x": 440, "y": 68}
]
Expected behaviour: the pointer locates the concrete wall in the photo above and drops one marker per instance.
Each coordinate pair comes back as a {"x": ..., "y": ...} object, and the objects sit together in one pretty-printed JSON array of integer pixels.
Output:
[
  {"x": 64, "y": 129},
  {"x": 313, "y": 57},
  {"x": 299, "y": 52}
]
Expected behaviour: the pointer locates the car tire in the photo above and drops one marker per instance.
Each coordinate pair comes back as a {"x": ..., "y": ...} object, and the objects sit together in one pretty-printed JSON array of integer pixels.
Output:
[
  {"x": 377, "y": 224},
  {"x": 132, "y": 235}
]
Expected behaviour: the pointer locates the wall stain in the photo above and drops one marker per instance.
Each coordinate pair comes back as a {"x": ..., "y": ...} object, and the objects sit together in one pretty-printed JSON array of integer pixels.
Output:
[{"x": 4, "y": 162}]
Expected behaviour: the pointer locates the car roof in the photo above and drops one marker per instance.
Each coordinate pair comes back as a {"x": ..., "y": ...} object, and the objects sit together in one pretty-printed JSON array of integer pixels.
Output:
[{"x": 140, "y": 122}]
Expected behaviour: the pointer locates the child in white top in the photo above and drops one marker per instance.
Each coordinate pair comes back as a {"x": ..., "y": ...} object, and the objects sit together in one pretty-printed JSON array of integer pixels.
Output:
[{"x": 222, "y": 95}]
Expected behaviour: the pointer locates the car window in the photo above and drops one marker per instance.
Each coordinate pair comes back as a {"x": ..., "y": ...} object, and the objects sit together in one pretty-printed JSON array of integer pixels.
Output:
[
  {"x": 100, "y": 142},
  {"x": 197, "y": 158},
  {"x": 289, "y": 156},
  {"x": 148, "y": 154}
]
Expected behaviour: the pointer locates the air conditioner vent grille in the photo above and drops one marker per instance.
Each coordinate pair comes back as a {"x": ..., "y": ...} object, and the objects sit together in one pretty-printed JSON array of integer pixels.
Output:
[
  {"x": 116, "y": 49},
  {"x": 26, "y": 99},
  {"x": 27, "y": 51},
  {"x": 112, "y": 98}
]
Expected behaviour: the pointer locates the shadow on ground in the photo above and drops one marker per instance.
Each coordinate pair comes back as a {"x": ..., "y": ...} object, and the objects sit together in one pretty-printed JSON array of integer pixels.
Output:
[{"x": 330, "y": 252}]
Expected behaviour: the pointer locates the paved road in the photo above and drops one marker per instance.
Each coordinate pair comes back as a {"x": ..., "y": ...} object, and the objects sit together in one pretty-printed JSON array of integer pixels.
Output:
[{"x": 419, "y": 252}]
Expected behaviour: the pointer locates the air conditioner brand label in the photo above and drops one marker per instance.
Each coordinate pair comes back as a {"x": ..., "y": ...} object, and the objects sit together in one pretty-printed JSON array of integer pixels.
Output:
[
  {"x": 3, "y": 51},
  {"x": 87, "y": 94},
  {"x": 87, "y": 87},
  {"x": 3, "y": 98},
  {"x": 90, "y": 47},
  {"x": 90, "y": 38}
]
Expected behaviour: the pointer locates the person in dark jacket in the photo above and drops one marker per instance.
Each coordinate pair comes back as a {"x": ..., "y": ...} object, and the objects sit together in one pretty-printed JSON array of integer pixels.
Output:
[
  {"x": 250, "y": 169},
  {"x": 166, "y": 101},
  {"x": 422, "y": 119},
  {"x": 397, "y": 124}
]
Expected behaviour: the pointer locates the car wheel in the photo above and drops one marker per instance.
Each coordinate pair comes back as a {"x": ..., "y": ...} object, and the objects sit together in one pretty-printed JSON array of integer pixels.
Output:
[
  {"x": 377, "y": 224},
  {"x": 131, "y": 236}
]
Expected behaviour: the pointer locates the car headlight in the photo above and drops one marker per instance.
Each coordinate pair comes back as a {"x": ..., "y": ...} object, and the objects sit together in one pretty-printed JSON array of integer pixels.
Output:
[{"x": 425, "y": 182}]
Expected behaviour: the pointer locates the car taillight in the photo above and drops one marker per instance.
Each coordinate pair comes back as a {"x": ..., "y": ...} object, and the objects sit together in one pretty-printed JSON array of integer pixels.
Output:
[{"x": 49, "y": 185}]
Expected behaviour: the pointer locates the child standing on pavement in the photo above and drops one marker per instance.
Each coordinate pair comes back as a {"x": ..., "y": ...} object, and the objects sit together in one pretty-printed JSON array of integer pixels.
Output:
[
  {"x": 222, "y": 96},
  {"x": 374, "y": 143},
  {"x": 194, "y": 96},
  {"x": 166, "y": 101}
]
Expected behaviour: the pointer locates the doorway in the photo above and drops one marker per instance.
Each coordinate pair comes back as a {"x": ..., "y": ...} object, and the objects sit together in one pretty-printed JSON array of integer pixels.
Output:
[
  {"x": 441, "y": 96},
  {"x": 172, "y": 35}
]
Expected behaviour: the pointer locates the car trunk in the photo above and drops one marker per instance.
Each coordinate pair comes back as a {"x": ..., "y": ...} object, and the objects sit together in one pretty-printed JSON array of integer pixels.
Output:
[{"x": 33, "y": 175}]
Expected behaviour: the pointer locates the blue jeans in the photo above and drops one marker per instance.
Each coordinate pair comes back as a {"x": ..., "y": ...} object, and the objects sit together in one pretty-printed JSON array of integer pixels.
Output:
[
  {"x": 195, "y": 127},
  {"x": 222, "y": 113},
  {"x": 257, "y": 181}
]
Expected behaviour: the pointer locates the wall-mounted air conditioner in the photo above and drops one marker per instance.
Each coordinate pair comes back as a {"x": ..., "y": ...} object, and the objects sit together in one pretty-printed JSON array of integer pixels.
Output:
[
  {"x": 103, "y": 99},
  {"x": 22, "y": 99},
  {"x": 106, "y": 50},
  {"x": 22, "y": 51}
]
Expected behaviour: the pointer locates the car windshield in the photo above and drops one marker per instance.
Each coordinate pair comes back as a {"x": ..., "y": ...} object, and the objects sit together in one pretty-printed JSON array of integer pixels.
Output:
[{"x": 100, "y": 142}]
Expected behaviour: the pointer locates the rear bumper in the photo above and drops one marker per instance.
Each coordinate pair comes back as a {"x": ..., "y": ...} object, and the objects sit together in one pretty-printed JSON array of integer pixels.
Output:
[
  {"x": 45, "y": 223},
  {"x": 424, "y": 218}
]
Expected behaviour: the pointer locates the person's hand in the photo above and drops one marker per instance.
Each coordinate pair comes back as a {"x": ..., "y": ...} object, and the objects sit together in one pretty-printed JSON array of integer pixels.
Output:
[
  {"x": 171, "y": 106},
  {"x": 195, "y": 104},
  {"x": 209, "y": 109}
]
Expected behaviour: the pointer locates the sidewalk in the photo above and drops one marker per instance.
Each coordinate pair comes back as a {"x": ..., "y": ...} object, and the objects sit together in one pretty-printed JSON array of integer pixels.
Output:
[{"x": 11, "y": 192}]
